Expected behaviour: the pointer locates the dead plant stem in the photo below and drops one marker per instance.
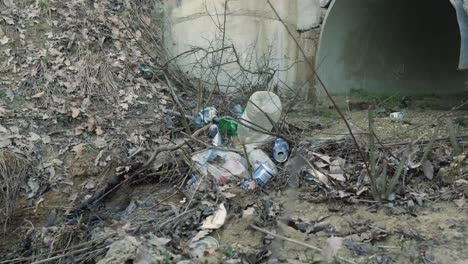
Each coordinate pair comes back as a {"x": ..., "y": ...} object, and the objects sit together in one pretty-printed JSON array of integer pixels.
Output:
[{"x": 176, "y": 100}]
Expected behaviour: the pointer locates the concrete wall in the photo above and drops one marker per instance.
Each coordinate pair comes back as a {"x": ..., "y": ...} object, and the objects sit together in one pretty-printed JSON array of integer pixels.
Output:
[
  {"x": 409, "y": 47},
  {"x": 412, "y": 47},
  {"x": 257, "y": 35}
]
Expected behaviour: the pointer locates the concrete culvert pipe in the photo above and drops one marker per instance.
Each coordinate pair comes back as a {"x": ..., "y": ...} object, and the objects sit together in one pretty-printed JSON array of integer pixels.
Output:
[{"x": 398, "y": 46}]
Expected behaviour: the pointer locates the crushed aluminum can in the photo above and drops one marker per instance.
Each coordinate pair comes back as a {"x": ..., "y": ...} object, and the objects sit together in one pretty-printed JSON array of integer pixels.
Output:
[
  {"x": 204, "y": 117},
  {"x": 397, "y": 115},
  {"x": 262, "y": 175},
  {"x": 281, "y": 150}
]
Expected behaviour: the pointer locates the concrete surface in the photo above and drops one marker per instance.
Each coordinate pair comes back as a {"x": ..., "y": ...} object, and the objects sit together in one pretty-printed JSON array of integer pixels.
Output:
[
  {"x": 260, "y": 39},
  {"x": 410, "y": 47},
  {"x": 416, "y": 47}
]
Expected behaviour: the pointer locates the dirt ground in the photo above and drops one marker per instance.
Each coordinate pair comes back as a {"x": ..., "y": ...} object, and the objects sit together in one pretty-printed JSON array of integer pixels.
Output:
[{"x": 83, "y": 101}]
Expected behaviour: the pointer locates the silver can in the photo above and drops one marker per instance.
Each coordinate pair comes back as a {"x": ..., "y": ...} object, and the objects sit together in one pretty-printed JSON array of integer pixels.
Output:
[
  {"x": 281, "y": 150},
  {"x": 262, "y": 175},
  {"x": 397, "y": 115}
]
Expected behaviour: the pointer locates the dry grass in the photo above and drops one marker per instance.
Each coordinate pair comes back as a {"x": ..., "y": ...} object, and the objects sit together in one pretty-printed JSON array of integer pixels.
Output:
[
  {"x": 13, "y": 172},
  {"x": 97, "y": 79}
]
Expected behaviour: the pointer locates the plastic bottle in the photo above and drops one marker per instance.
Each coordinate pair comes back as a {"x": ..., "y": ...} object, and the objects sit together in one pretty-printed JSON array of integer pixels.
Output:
[
  {"x": 262, "y": 109},
  {"x": 257, "y": 158}
]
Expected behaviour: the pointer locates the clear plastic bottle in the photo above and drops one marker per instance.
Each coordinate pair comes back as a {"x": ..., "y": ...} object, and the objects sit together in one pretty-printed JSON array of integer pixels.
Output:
[{"x": 262, "y": 109}]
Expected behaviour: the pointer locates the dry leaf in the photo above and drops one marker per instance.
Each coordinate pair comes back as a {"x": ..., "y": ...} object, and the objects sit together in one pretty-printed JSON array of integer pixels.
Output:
[
  {"x": 3, "y": 112},
  {"x": 248, "y": 212},
  {"x": 460, "y": 202},
  {"x": 325, "y": 158},
  {"x": 216, "y": 220},
  {"x": 428, "y": 169},
  {"x": 320, "y": 164},
  {"x": 79, "y": 130},
  {"x": 38, "y": 95},
  {"x": 228, "y": 195},
  {"x": 100, "y": 143},
  {"x": 78, "y": 149},
  {"x": 320, "y": 176},
  {"x": 201, "y": 234},
  {"x": 75, "y": 112},
  {"x": 33, "y": 137},
  {"x": 91, "y": 123},
  {"x": 336, "y": 167},
  {"x": 4, "y": 40},
  {"x": 338, "y": 177},
  {"x": 99, "y": 131},
  {"x": 4, "y": 143}
]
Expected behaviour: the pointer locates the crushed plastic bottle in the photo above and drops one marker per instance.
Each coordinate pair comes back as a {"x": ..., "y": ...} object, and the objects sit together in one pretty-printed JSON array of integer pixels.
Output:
[
  {"x": 281, "y": 150},
  {"x": 263, "y": 109},
  {"x": 222, "y": 165},
  {"x": 204, "y": 117},
  {"x": 257, "y": 158}
]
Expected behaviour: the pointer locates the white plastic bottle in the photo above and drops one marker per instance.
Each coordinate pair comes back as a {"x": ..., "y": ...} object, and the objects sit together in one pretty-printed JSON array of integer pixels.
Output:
[{"x": 263, "y": 109}]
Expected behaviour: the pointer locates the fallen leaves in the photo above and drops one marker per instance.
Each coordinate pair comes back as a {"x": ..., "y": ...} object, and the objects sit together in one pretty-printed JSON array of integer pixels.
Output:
[
  {"x": 79, "y": 149},
  {"x": 460, "y": 202},
  {"x": 38, "y": 95},
  {"x": 75, "y": 112},
  {"x": 4, "y": 40},
  {"x": 428, "y": 169}
]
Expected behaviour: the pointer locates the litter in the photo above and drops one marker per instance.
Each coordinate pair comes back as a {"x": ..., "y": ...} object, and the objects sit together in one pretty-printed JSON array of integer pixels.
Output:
[
  {"x": 228, "y": 126},
  {"x": 281, "y": 150},
  {"x": 237, "y": 110},
  {"x": 263, "y": 175},
  {"x": 261, "y": 113},
  {"x": 216, "y": 138},
  {"x": 397, "y": 115},
  {"x": 257, "y": 158},
  {"x": 204, "y": 117},
  {"x": 201, "y": 247},
  {"x": 222, "y": 165}
]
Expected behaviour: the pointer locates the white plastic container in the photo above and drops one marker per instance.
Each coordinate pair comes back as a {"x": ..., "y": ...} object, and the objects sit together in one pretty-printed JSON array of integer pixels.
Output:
[{"x": 262, "y": 109}]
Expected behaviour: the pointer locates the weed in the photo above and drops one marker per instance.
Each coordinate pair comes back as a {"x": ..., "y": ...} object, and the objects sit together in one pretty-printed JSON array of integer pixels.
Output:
[
  {"x": 460, "y": 121},
  {"x": 453, "y": 138},
  {"x": 385, "y": 185},
  {"x": 13, "y": 172},
  {"x": 229, "y": 252},
  {"x": 44, "y": 5}
]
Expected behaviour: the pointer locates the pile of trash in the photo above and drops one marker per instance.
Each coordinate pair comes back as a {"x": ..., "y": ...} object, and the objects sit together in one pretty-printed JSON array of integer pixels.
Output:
[{"x": 237, "y": 154}]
